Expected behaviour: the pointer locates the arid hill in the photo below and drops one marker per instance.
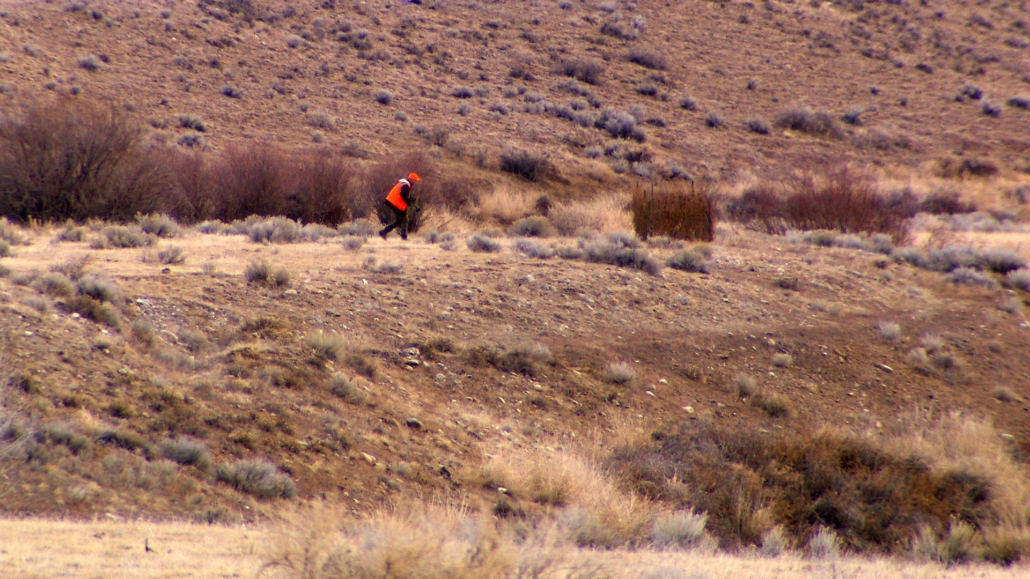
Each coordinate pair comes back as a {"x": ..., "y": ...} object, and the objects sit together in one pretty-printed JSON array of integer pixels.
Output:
[{"x": 718, "y": 87}]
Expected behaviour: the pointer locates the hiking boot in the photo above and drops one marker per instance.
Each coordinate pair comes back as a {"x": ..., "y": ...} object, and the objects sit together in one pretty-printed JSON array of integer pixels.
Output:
[
  {"x": 383, "y": 234},
  {"x": 404, "y": 238}
]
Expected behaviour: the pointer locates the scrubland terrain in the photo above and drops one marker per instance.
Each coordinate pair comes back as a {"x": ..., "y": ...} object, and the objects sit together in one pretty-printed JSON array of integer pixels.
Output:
[{"x": 699, "y": 288}]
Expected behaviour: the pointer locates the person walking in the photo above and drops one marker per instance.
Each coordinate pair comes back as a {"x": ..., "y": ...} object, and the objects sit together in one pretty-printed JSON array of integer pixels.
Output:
[{"x": 399, "y": 200}]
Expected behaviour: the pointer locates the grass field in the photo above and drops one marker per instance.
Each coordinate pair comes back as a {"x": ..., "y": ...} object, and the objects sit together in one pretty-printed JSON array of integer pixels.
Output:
[{"x": 115, "y": 550}]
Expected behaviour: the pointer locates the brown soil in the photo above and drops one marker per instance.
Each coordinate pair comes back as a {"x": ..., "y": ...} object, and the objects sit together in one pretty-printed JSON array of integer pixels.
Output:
[
  {"x": 902, "y": 64},
  {"x": 260, "y": 391}
]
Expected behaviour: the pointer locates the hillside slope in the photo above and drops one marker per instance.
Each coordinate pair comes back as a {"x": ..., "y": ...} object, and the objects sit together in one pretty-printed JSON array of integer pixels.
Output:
[{"x": 915, "y": 78}]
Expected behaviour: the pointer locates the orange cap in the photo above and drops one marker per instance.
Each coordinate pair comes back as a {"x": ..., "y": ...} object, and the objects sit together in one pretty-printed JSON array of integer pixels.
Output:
[{"x": 414, "y": 178}]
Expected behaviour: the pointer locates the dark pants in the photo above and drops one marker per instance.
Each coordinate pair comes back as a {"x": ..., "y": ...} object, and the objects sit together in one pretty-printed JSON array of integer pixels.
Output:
[{"x": 400, "y": 219}]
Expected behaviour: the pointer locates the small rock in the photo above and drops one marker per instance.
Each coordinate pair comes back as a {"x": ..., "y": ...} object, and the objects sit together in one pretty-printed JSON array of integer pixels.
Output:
[
  {"x": 689, "y": 409},
  {"x": 885, "y": 368},
  {"x": 651, "y": 394},
  {"x": 1008, "y": 437},
  {"x": 663, "y": 381},
  {"x": 502, "y": 490},
  {"x": 412, "y": 362},
  {"x": 413, "y": 423},
  {"x": 369, "y": 458},
  {"x": 290, "y": 292}
]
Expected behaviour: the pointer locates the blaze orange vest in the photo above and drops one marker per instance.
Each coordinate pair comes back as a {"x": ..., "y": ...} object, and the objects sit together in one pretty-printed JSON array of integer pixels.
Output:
[{"x": 395, "y": 198}]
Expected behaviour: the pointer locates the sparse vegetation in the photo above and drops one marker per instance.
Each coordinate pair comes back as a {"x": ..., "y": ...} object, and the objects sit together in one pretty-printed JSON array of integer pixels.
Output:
[
  {"x": 257, "y": 477},
  {"x": 889, "y": 330},
  {"x": 326, "y": 346},
  {"x": 260, "y": 271},
  {"x": 187, "y": 452},
  {"x": 481, "y": 243},
  {"x": 529, "y": 166},
  {"x": 620, "y": 373},
  {"x": 804, "y": 120},
  {"x": 534, "y": 226}
]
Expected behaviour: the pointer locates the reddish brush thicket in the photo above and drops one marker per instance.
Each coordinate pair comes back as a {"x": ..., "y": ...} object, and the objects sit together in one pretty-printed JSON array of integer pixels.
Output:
[
  {"x": 760, "y": 208},
  {"x": 673, "y": 211},
  {"x": 874, "y": 500},
  {"x": 65, "y": 159},
  {"x": 844, "y": 200},
  {"x": 838, "y": 199},
  {"x": 70, "y": 159}
]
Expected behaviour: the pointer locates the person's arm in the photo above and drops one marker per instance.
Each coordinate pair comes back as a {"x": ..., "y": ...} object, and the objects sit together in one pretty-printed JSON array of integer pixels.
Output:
[{"x": 406, "y": 192}]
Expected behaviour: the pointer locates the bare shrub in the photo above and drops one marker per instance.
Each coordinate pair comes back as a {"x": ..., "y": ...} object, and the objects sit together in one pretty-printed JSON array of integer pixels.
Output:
[
  {"x": 383, "y": 97},
  {"x": 187, "y": 452},
  {"x": 1004, "y": 394},
  {"x": 758, "y": 126},
  {"x": 143, "y": 332},
  {"x": 782, "y": 360},
  {"x": 343, "y": 388},
  {"x": 533, "y": 248},
  {"x": 623, "y": 28},
  {"x": 773, "y": 542},
  {"x": 481, "y": 243},
  {"x": 679, "y": 529},
  {"x": 970, "y": 276},
  {"x": 693, "y": 260},
  {"x": 620, "y": 373},
  {"x": 375, "y": 266},
  {"x": 98, "y": 289},
  {"x": 889, "y": 330},
  {"x": 1019, "y": 278},
  {"x": 648, "y": 58},
  {"x": 534, "y": 226},
  {"x": 122, "y": 237},
  {"x": 159, "y": 224},
  {"x": 747, "y": 385},
  {"x": 582, "y": 69},
  {"x": 610, "y": 253},
  {"x": 260, "y": 271},
  {"x": 620, "y": 125},
  {"x": 670, "y": 210},
  {"x": 326, "y": 346},
  {"x": 70, "y": 159},
  {"x": 824, "y": 544},
  {"x": 813, "y": 123},
  {"x": 258, "y": 478},
  {"x": 250, "y": 180},
  {"x": 844, "y": 200},
  {"x": 530, "y": 166},
  {"x": 172, "y": 256},
  {"x": 1002, "y": 260},
  {"x": 55, "y": 284},
  {"x": 714, "y": 120},
  {"x": 945, "y": 202},
  {"x": 232, "y": 91},
  {"x": 762, "y": 208},
  {"x": 193, "y": 123}
]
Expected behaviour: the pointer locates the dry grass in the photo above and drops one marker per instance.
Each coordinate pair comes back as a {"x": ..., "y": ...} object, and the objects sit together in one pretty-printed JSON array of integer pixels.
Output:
[{"x": 114, "y": 549}]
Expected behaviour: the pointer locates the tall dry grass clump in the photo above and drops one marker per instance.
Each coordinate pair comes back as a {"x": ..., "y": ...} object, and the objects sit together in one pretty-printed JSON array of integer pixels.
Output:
[
  {"x": 673, "y": 211},
  {"x": 426, "y": 542},
  {"x": 592, "y": 509}
]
